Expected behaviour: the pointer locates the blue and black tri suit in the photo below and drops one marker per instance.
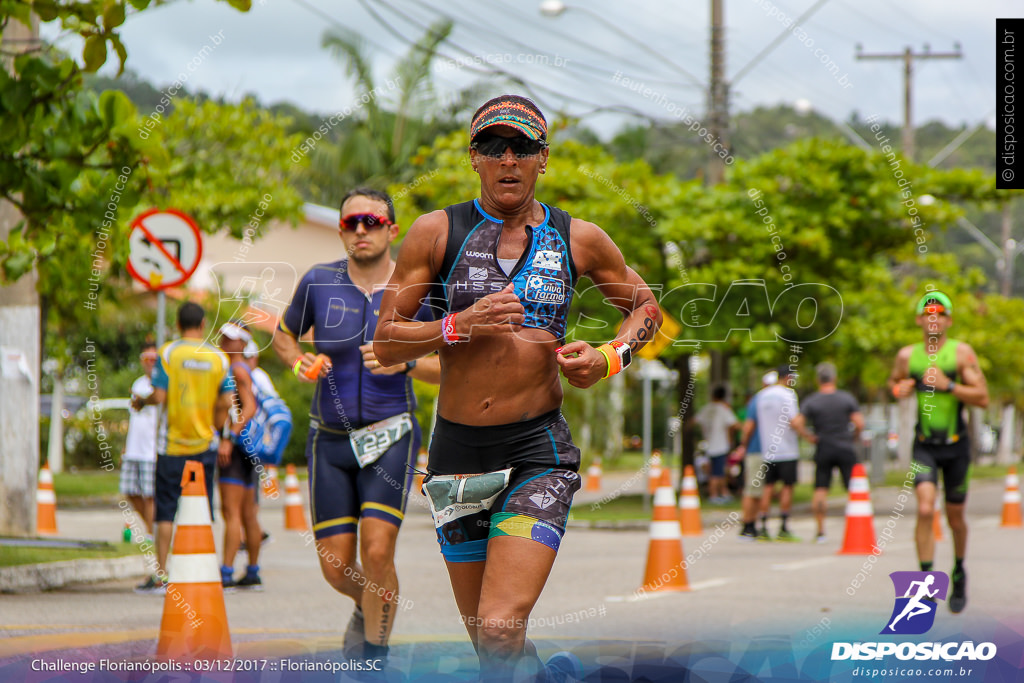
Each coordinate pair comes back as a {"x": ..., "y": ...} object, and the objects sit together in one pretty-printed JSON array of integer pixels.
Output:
[
  {"x": 349, "y": 398},
  {"x": 545, "y": 462}
]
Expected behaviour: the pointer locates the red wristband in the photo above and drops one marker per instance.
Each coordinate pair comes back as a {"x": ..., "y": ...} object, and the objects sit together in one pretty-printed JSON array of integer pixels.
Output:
[{"x": 448, "y": 332}]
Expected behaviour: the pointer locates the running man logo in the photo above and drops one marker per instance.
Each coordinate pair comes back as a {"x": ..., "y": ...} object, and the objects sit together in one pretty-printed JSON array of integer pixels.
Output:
[{"x": 917, "y": 596}]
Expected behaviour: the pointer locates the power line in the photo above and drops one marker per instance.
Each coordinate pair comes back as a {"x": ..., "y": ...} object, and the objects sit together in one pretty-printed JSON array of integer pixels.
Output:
[{"x": 908, "y": 56}]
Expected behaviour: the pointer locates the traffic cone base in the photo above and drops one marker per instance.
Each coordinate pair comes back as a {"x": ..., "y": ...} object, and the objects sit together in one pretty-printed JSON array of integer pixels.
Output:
[
  {"x": 46, "y": 503},
  {"x": 194, "y": 623},
  {"x": 1011, "y": 500},
  {"x": 859, "y": 538},
  {"x": 666, "y": 565}
]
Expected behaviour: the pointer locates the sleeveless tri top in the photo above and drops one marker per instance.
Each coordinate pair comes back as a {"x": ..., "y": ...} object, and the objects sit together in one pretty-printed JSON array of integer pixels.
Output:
[
  {"x": 939, "y": 414},
  {"x": 543, "y": 278}
]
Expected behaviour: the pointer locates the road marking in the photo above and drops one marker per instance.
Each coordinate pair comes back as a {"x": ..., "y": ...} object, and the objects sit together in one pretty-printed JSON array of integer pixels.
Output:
[
  {"x": 801, "y": 564},
  {"x": 653, "y": 595}
]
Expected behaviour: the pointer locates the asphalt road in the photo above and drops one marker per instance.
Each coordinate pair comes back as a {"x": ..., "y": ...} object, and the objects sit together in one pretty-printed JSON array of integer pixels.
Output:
[{"x": 739, "y": 591}]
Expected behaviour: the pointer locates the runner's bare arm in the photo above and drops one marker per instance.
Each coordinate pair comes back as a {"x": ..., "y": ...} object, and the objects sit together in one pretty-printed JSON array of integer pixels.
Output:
[
  {"x": 247, "y": 398},
  {"x": 799, "y": 425},
  {"x": 157, "y": 398},
  {"x": 900, "y": 383},
  {"x": 598, "y": 258},
  {"x": 973, "y": 389},
  {"x": 398, "y": 337}
]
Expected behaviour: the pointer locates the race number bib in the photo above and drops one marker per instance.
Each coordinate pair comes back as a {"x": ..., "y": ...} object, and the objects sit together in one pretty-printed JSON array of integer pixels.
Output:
[
  {"x": 372, "y": 441},
  {"x": 456, "y": 495}
]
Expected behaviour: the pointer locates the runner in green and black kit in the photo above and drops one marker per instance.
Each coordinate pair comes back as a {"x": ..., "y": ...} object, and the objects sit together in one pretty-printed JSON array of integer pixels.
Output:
[{"x": 945, "y": 376}]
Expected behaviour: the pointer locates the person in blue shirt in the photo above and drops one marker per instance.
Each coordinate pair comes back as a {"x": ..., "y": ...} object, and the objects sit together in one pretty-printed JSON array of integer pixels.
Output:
[{"x": 363, "y": 436}]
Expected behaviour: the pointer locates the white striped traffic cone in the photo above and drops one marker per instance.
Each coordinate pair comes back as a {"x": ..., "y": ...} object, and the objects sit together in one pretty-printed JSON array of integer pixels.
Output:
[
  {"x": 689, "y": 505},
  {"x": 666, "y": 566},
  {"x": 1011, "y": 499},
  {"x": 195, "y": 623},
  {"x": 294, "y": 517},
  {"x": 594, "y": 473},
  {"x": 46, "y": 503},
  {"x": 654, "y": 473},
  {"x": 860, "y": 521}
]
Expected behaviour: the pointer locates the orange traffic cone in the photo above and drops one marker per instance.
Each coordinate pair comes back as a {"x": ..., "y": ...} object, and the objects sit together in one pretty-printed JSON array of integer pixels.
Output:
[
  {"x": 270, "y": 488},
  {"x": 46, "y": 503},
  {"x": 937, "y": 520},
  {"x": 666, "y": 567},
  {"x": 654, "y": 473},
  {"x": 860, "y": 522},
  {"x": 594, "y": 473},
  {"x": 1011, "y": 499},
  {"x": 294, "y": 517},
  {"x": 422, "y": 460},
  {"x": 195, "y": 623},
  {"x": 689, "y": 505}
]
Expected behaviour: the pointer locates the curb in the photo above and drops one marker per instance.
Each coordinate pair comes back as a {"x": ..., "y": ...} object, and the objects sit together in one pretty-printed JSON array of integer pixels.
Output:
[{"x": 32, "y": 578}]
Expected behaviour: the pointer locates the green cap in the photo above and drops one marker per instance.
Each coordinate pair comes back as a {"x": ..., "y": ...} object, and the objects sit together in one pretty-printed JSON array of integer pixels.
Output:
[{"x": 935, "y": 298}]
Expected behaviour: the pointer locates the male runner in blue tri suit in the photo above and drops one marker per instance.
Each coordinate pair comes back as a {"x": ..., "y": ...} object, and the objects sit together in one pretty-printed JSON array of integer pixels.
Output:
[{"x": 363, "y": 436}]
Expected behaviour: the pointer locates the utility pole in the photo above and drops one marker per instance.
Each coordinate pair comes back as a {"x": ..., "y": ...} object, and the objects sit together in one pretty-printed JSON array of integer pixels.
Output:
[
  {"x": 19, "y": 344},
  {"x": 908, "y": 56},
  {"x": 718, "y": 95}
]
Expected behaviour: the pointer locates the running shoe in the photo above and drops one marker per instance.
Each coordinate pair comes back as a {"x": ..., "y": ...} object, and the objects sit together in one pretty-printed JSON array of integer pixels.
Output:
[
  {"x": 355, "y": 635},
  {"x": 152, "y": 586},
  {"x": 748, "y": 535},
  {"x": 250, "y": 582},
  {"x": 787, "y": 535},
  {"x": 820, "y": 538},
  {"x": 762, "y": 535},
  {"x": 958, "y": 598},
  {"x": 562, "y": 667}
]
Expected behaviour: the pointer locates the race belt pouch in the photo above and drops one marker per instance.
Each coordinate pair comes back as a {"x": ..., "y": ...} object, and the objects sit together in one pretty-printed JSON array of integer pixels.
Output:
[
  {"x": 372, "y": 441},
  {"x": 452, "y": 496}
]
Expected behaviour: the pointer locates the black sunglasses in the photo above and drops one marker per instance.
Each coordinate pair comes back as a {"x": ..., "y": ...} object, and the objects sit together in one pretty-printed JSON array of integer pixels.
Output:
[
  {"x": 370, "y": 221},
  {"x": 495, "y": 146}
]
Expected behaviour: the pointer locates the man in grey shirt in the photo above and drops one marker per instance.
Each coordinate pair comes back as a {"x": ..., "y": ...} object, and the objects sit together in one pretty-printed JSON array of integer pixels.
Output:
[{"x": 836, "y": 420}]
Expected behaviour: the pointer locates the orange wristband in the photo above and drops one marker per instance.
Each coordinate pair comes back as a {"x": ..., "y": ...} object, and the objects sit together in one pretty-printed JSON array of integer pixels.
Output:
[{"x": 614, "y": 363}]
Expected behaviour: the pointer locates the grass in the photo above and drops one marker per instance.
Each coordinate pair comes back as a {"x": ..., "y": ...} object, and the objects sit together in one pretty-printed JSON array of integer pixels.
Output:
[
  {"x": 102, "y": 484},
  {"x": 86, "y": 483},
  {"x": 897, "y": 477},
  {"x": 12, "y": 555}
]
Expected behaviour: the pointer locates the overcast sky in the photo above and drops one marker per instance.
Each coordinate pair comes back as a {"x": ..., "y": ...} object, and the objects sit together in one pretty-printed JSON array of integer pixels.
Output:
[{"x": 274, "y": 50}]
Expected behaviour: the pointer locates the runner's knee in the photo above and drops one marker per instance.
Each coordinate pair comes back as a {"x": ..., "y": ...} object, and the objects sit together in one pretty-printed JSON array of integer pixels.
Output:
[
  {"x": 500, "y": 634},
  {"x": 376, "y": 553}
]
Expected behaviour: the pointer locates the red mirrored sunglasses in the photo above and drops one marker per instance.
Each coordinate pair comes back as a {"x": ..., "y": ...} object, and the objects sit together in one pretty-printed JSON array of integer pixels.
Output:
[
  {"x": 934, "y": 309},
  {"x": 370, "y": 221}
]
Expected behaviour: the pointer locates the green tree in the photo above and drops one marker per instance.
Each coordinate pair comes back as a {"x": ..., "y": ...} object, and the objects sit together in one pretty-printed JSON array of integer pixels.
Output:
[{"x": 388, "y": 120}]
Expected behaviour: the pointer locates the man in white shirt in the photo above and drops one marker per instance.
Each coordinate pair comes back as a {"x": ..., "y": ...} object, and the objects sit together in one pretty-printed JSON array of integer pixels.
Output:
[
  {"x": 717, "y": 424},
  {"x": 138, "y": 462},
  {"x": 776, "y": 407}
]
